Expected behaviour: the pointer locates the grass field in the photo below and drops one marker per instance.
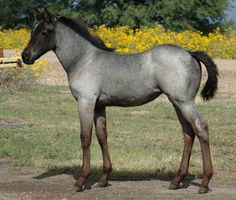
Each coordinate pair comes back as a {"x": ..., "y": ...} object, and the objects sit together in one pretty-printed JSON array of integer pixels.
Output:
[{"x": 41, "y": 128}]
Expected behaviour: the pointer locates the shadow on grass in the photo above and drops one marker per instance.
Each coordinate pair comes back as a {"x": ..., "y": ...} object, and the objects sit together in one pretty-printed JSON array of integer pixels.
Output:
[{"x": 119, "y": 175}]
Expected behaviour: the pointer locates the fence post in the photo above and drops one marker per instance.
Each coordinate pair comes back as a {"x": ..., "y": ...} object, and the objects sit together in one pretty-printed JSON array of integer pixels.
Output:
[{"x": 1, "y": 52}]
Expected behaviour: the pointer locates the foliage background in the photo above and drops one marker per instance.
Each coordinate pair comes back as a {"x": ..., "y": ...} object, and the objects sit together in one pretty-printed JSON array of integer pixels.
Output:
[
  {"x": 126, "y": 40},
  {"x": 202, "y": 15}
]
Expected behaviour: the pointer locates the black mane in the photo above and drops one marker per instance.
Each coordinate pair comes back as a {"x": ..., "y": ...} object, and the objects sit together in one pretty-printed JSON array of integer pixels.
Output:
[{"x": 83, "y": 31}]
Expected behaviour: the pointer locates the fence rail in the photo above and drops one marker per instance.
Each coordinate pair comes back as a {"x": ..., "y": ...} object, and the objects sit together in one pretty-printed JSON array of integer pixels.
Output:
[{"x": 9, "y": 62}]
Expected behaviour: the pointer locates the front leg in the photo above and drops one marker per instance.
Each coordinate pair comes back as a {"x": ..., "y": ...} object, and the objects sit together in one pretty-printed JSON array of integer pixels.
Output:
[
  {"x": 86, "y": 113},
  {"x": 101, "y": 132}
]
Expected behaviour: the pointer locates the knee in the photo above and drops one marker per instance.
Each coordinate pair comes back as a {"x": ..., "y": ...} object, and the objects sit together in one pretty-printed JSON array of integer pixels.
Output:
[
  {"x": 201, "y": 129},
  {"x": 204, "y": 132},
  {"x": 85, "y": 140},
  {"x": 101, "y": 135},
  {"x": 102, "y": 138},
  {"x": 200, "y": 125},
  {"x": 100, "y": 127},
  {"x": 205, "y": 125}
]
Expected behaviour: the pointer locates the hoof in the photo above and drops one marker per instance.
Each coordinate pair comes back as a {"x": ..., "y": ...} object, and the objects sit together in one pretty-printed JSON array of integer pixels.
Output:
[
  {"x": 203, "y": 190},
  {"x": 173, "y": 186},
  {"x": 100, "y": 185},
  {"x": 79, "y": 189}
]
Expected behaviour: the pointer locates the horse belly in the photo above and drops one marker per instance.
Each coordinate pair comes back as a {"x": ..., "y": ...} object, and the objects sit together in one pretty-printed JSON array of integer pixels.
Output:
[{"x": 126, "y": 99}]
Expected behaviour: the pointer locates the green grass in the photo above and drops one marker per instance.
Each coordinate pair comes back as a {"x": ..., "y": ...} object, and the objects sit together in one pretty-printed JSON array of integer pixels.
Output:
[{"x": 41, "y": 128}]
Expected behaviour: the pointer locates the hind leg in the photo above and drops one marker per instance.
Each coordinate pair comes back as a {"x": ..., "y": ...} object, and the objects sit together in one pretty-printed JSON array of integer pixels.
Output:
[
  {"x": 200, "y": 128},
  {"x": 189, "y": 136}
]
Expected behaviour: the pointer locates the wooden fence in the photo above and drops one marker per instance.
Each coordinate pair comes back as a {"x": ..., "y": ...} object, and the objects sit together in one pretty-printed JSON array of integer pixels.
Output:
[{"x": 9, "y": 62}]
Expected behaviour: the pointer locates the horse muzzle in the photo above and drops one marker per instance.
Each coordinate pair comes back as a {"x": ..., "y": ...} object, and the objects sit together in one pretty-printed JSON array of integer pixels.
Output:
[{"x": 27, "y": 57}]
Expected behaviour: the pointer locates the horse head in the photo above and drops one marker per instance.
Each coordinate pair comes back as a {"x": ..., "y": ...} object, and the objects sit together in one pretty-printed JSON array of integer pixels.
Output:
[{"x": 42, "y": 37}]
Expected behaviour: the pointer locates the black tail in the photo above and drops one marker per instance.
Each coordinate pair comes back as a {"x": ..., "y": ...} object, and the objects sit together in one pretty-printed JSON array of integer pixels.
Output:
[{"x": 211, "y": 85}]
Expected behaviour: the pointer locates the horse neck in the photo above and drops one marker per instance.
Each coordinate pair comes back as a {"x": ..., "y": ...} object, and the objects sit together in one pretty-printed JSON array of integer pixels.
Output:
[{"x": 71, "y": 49}]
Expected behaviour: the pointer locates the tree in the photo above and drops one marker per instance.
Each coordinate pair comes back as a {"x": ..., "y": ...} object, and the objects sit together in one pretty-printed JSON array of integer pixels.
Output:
[
  {"x": 17, "y": 14},
  {"x": 202, "y": 15}
]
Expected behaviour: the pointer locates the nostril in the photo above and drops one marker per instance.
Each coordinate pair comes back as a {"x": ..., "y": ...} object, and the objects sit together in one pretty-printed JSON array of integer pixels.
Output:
[{"x": 25, "y": 55}]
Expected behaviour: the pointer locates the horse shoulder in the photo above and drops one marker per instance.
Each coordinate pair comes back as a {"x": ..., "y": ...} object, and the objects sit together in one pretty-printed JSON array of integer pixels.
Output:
[{"x": 84, "y": 83}]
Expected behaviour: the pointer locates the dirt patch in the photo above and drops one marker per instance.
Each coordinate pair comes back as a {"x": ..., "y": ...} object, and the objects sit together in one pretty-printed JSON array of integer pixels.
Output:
[
  {"x": 11, "y": 124},
  {"x": 21, "y": 183}
]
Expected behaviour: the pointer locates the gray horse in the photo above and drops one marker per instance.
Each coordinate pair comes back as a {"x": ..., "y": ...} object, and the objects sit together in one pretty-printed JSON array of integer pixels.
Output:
[{"x": 98, "y": 77}]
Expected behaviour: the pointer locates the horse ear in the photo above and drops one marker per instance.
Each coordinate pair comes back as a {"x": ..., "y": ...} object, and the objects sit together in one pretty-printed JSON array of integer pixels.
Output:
[
  {"x": 37, "y": 14},
  {"x": 47, "y": 16}
]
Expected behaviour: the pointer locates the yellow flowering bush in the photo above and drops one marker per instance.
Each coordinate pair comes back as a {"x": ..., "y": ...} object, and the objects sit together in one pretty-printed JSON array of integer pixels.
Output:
[
  {"x": 40, "y": 68},
  {"x": 125, "y": 40},
  {"x": 17, "y": 40},
  {"x": 14, "y": 39}
]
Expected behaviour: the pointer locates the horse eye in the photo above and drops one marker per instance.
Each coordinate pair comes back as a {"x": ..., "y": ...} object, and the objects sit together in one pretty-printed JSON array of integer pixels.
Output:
[{"x": 44, "y": 33}]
